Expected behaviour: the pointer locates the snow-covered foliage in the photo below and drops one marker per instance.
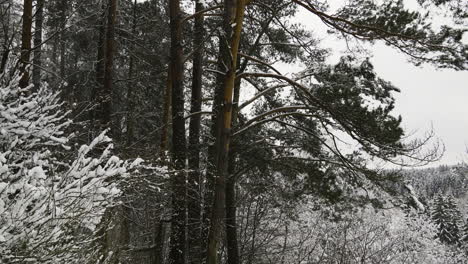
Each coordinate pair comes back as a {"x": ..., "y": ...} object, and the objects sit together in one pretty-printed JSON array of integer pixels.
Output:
[
  {"x": 52, "y": 197},
  {"x": 448, "y": 220},
  {"x": 363, "y": 236}
]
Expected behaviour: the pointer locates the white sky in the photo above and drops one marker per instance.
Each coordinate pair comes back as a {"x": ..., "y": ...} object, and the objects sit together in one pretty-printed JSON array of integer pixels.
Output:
[{"x": 429, "y": 99}]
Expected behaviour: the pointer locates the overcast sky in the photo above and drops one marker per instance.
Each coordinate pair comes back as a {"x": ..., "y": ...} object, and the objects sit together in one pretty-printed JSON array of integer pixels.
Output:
[{"x": 429, "y": 99}]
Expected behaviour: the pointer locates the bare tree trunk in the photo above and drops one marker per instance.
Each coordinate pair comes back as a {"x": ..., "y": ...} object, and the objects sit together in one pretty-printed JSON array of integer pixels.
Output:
[
  {"x": 98, "y": 94},
  {"x": 159, "y": 243},
  {"x": 177, "y": 252},
  {"x": 37, "y": 61},
  {"x": 194, "y": 197},
  {"x": 101, "y": 50},
  {"x": 26, "y": 43},
  {"x": 109, "y": 64},
  {"x": 63, "y": 18},
  {"x": 233, "y": 20},
  {"x": 231, "y": 200},
  {"x": 164, "y": 144},
  {"x": 4, "y": 60},
  {"x": 8, "y": 40},
  {"x": 131, "y": 86}
]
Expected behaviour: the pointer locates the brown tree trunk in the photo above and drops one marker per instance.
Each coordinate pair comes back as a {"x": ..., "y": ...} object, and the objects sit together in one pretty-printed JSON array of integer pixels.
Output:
[
  {"x": 101, "y": 50},
  {"x": 159, "y": 243},
  {"x": 37, "y": 61},
  {"x": 7, "y": 41},
  {"x": 109, "y": 64},
  {"x": 4, "y": 60},
  {"x": 131, "y": 85},
  {"x": 63, "y": 18},
  {"x": 178, "y": 238},
  {"x": 233, "y": 19},
  {"x": 98, "y": 94},
  {"x": 26, "y": 36},
  {"x": 164, "y": 144},
  {"x": 194, "y": 197},
  {"x": 231, "y": 202}
]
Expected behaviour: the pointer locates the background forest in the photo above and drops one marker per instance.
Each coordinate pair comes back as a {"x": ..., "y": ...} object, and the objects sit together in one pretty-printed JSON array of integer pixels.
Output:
[{"x": 166, "y": 131}]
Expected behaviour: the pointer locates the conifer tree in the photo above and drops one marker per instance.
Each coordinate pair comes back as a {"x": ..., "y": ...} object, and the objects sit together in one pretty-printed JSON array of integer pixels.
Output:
[
  {"x": 464, "y": 237},
  {"x": 455, "y": 219},
  {"x": 447, "y": 217}
]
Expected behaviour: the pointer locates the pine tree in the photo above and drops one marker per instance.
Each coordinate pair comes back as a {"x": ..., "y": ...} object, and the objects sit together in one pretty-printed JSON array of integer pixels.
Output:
[
  {"x": 464, "y": 237},
  {"x": 447, "y": 217},
  {"x": 455, "y": 219}
]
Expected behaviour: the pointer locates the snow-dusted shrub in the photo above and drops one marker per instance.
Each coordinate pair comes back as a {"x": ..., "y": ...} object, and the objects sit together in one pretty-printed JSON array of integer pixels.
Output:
[
  {"x": 323, "y": 236},
  {"x": 51, "y": 197},
  {"x": 382, "y": 237}
]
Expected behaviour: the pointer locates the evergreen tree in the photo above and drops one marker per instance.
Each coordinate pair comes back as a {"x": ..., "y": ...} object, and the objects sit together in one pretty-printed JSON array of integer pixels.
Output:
[
  {"x": 455, "y": 219},
  {"x": 447, "y": 217},
  {"x": 464, "y": 237}
]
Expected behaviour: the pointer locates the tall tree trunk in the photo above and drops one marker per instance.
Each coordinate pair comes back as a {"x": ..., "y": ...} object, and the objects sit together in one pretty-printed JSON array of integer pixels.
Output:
[
  {"x": 164, "y": 144},
  {"x": 131, "y": 85},
  {"x": 109, "y": 64},
  {"x": 4, "y": 59},
  {"x": 97, "y": 93},
  {"x": 7, "y": 40},
  {"x": 194, "y": 197},
  {"x": 26, "y": 43},
  {"x": 101, "y": 50},
  {"x": 231, "y": 206},
  {"x": 178, "y": 236},
  {"x": 159, "y": 243},
  {"x": 37, "y": 61},
  {"x": 63, "y": 20},
  {"x": 233, "y": 20}
]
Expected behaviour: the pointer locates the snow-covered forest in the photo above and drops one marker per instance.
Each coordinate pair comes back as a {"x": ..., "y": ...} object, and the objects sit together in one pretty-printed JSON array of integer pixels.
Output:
[{"x": 209, "y": 132}]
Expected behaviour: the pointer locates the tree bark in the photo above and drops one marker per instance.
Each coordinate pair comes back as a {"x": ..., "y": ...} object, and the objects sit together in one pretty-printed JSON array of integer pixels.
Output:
[
  {"x": 159, "y": 243},
  {"x": 8, "y": 40},
  {"x": 177, "y": 252},
  {"x": 63, "y": 20},
  {"x": 98, "y": 94},
  {"x": 37, "y": 61},
  {"x": 109, "y": 64},
  {"x": 231, "y": 200},
  {"x": 26, "y": 43},
  {"x": 101, "y": 49},
  {"x": 194, "y": 197},
  {"x": 131, "y": 85},
  {"x": 233, "y": 19},
  {"x": 164, "y": 144}
]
